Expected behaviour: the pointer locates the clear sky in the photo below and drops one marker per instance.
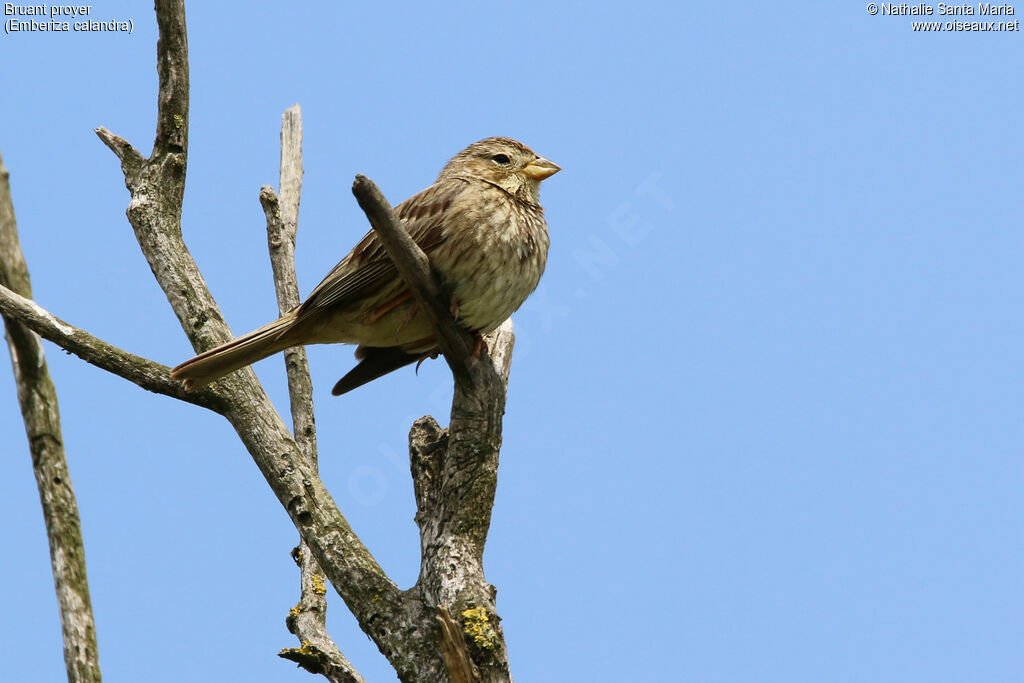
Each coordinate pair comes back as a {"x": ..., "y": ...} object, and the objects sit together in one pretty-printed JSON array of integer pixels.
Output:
[{"x": 765, "y": 419}]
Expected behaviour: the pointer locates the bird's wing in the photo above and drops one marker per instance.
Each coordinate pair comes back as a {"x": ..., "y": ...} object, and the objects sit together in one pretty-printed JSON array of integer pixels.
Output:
[{"x": 367, "y": 267}]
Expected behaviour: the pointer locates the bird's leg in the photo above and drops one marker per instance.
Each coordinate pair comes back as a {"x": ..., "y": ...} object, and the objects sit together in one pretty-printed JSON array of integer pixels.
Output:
[{"x": 479, "y": 346}]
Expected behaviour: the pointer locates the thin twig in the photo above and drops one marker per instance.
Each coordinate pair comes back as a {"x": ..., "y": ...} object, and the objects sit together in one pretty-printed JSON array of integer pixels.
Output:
[
  {"x": 38, "y": 399},
  {"x": 300, "y": 386},
  {"x": 317, "y": 653}
]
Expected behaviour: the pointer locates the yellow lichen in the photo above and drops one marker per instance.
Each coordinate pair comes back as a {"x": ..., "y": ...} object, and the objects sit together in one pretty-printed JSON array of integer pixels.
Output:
[
  {"x": 477, "y": 625},
  {"x": 319, "y": 586},
  {"x": 294, "y": 611}
]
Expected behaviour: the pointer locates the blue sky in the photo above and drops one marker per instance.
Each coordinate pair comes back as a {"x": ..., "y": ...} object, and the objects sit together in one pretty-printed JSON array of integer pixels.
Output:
[{"x": 765, "y": 414}]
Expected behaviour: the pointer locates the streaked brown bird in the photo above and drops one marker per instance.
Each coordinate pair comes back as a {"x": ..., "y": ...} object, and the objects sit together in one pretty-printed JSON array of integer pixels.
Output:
[{"x": 482, "y": 226}]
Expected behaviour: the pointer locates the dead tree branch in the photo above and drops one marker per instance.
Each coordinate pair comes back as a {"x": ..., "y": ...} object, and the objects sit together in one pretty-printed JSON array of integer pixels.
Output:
[
  {"x": 454, "y": 469},
  {"x": 414, "y": 268},
  {"x": 37, "y": 397},
  {"x": 157, "y": 187},
  {"x": 317, "y": 651},
  {"x": 149, "y": 375}
]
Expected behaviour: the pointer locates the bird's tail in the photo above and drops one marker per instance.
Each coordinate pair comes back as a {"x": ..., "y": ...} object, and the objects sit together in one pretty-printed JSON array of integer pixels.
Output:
[
  {"x": 226, "y": 358},
  {"x": 374, "y": 363}
]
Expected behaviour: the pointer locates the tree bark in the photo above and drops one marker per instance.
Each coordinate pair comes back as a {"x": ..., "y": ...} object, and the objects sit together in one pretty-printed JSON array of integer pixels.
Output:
[
  {"x": 446, "y": 627},
  {"x": 37, "y": 397},
  {"x": 317, "y": 651}
]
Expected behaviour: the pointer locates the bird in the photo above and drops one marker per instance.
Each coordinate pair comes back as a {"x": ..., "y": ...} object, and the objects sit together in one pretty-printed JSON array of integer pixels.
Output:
[{"x": 483, "y": 229}]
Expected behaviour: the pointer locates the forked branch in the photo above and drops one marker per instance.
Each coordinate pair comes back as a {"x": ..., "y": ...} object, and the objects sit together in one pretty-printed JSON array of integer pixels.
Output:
[{"x": 454, "y": 469}]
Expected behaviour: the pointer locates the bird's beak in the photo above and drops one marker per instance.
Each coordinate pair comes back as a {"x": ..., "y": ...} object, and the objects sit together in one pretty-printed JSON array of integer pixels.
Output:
[{"x": 540, "y": 168}]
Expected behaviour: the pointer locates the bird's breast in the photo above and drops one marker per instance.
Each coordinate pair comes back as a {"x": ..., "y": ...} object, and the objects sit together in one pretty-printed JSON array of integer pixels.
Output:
[{"x": 496, "y": 263}]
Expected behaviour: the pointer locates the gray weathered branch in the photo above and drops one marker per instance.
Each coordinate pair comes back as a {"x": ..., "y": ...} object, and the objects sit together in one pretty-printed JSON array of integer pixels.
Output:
[
  {"x": 157, "y": 187},
  {"x": 414, "y": 268},
  {"x": 282, "y": 216},
  {"x": 149, "y": 375},
  {"x": 444, "y": 628},
  {"x": 37, "y": 397},
  {"x": 317, "y": 652},
  {"x": 455, "y": 471},
  {"x": 454, "y": 474}
]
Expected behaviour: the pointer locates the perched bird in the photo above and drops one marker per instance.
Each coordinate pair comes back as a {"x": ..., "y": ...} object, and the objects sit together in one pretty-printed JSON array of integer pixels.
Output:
[{"x": 481, "y": 225}]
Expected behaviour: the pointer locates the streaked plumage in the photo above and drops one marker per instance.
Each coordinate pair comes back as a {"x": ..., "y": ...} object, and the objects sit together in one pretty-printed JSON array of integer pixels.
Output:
[{"x": 481, "y": 225}]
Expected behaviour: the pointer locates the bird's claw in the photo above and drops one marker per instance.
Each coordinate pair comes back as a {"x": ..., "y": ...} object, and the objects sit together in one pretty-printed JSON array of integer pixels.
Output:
[{"x": 431, "y": 355}]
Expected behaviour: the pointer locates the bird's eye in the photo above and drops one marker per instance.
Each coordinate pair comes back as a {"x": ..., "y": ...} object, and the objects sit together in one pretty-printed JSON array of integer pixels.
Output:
[{"x": 501, "y": 159}]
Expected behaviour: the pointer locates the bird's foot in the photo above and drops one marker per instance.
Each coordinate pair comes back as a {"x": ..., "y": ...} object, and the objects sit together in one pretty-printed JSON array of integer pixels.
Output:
[
  {"x": 479, "y": 346},
  {"x": 431, "y": 355}
]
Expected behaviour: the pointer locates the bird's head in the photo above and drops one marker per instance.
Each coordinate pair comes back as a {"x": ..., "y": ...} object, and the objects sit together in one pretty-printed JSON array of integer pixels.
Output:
[{"x": 504, "y": 162}]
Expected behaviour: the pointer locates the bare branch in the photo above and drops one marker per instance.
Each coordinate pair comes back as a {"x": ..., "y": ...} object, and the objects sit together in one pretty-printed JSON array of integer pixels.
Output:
[
  {"x": 453, "y": 530},
  {"x": 455, "y": 482},
  {"x": 157, "y": 186},
  {"x": 499, "y": 347},
  {"x": 414, "y": 268},
  {"x": 155, "y": 214},
  {"x": 38, "y": 399},
  {"x": 282, "y": 229},
  {"x": 316, "y": 661},
  {"x": 300, "y": 386},
  {"x": 290, "y": 182},
  {"x": 147, "y": 374},
  {"x": 455, "y": 470},
  {"x": 131, "y": 159},
  {"x": 318, "y": 653},
  {"x": 454, "y": 477},
  {"x": 172, "y": 68}
]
